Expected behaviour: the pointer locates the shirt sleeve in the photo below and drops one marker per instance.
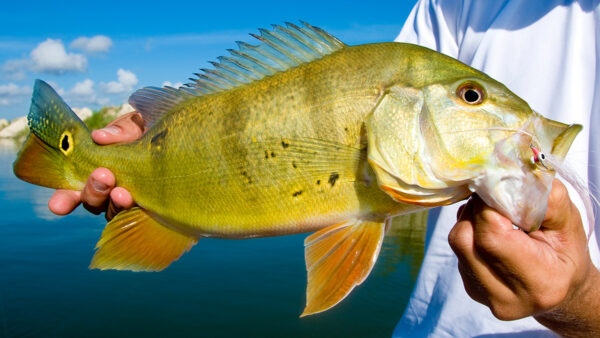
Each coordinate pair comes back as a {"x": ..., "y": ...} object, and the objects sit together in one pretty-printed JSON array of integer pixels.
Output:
[{"x": 433, "y": 24}]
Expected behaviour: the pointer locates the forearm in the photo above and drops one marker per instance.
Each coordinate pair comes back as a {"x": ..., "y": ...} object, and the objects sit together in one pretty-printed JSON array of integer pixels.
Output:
[{"x": 579, "y": 314}]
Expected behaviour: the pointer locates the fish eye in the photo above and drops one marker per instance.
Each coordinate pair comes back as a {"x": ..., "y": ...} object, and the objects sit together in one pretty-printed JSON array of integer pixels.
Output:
[
  {"x": 66, "y": 143},
  {"x": 471, "y": 93}
]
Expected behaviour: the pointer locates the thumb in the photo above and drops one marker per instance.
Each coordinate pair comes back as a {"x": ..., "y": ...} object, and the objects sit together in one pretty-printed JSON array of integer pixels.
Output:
[
  {"x": 561, "y": 212},
  {"x": 126, "y": 128}
]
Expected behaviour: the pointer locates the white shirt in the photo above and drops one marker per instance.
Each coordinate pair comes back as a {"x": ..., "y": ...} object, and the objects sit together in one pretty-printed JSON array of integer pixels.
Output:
[{"x": 548, "y": 53}]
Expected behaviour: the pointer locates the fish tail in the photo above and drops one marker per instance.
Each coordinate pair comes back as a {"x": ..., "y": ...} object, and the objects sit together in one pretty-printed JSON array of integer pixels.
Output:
[{"x": 57, "y": 140}]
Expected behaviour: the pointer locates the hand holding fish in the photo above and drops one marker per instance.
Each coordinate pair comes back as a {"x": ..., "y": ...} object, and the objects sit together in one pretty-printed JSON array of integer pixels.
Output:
[
  {"x": 100, "y": 194},
  {"x": 547, "y": 273}
]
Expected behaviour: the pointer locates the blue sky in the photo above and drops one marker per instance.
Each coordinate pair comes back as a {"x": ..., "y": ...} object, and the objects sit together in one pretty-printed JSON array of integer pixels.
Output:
[{"x": 98, "y": 53}]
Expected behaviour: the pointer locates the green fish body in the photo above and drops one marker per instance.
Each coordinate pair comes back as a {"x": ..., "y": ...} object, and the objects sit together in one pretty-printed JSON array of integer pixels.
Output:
[{"x": 298, "y": 134}]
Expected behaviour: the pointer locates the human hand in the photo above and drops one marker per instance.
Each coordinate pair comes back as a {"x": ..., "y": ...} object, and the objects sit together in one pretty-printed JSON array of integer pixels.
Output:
[
  {"x": 100, "y": 193},
  {"x": 547, "y": 273}
]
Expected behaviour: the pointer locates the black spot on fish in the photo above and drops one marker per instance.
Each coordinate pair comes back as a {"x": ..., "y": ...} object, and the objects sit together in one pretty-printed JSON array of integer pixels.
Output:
[
  {"x": 284, "y": 144},
  {"x": 266, "y": 155},
  {"x": 297, "y": 193},
  {"x": 346, "y": 129},
  {"x": 333, "y": 178},
  {"x": 247, "y": 177},
  {"x": 157, "y": 139},
  {"x": 294, "y": 164},
  {"x": 272, "y": 154},
  {"x": 64, "y": 143},
  {"x": 318, "y": 182}
]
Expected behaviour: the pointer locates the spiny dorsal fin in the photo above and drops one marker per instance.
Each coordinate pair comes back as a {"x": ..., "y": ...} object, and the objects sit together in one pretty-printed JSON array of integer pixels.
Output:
[{"x": 281, "y": 49}]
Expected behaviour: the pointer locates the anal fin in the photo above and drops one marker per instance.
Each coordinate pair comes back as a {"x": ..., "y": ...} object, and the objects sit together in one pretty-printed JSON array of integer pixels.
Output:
[
  {"x": 136, "y": 241},
  {"x": 338, "y": 258}
]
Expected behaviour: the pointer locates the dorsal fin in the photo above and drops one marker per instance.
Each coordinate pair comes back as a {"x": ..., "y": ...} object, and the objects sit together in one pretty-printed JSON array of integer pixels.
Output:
[{"x": 281, "y": 49}]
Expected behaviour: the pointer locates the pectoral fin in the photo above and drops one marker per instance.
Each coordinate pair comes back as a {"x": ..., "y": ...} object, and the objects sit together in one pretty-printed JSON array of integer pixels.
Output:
[
  {"x": 136, "y": 241},
  {"x": 338, "y": 258}
]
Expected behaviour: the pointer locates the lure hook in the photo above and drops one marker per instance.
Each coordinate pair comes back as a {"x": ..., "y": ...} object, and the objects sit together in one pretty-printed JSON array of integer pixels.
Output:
[{"x": 538, "y": 156}]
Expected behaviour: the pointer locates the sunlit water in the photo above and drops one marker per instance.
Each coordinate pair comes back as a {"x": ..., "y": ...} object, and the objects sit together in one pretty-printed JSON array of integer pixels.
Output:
[{"x": 221, "y": 288}]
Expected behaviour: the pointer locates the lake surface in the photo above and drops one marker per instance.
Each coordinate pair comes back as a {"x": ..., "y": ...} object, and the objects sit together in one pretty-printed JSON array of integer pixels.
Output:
[{"x": 221, "y": 288}]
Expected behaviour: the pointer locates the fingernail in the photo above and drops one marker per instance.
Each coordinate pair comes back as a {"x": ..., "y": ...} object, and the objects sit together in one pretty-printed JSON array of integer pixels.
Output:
[
  {"x": 99, "y": 186},
  {"x": 113, "y": 130}
]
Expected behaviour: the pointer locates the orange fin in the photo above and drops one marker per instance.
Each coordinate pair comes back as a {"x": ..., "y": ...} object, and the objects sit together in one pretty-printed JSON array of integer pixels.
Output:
[
  {"x": 136, "y": 241},
  {"x": 338, "y": 258}
]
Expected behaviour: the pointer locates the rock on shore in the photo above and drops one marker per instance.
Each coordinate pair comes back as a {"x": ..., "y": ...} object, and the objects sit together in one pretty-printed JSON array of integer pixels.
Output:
[
  {"x": 13, "y": 128},
  {"x": 17, "y": 126}
]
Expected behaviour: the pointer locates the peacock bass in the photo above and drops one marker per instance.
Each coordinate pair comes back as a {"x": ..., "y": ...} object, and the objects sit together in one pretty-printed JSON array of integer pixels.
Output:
[{"x": 303, "y": 133}]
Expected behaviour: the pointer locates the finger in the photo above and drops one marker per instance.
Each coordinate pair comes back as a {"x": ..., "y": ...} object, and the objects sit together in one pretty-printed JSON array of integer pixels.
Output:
[
  {"x": 460, "y": 239},
  {"x": 474, "y": 288},
  {"x": 96, "y": 191},
  {"x": 120, "y": 199},
  {"x": 126, "y": 128},
  {"x": 482, "y": 283},
  {"x": 494, "y": 234},
  {"x": 503, "y": 249},
  {"x": 64, "y": 202},
  {"x": 560, "y": 209},
  {"x": 459, "y": 212}
]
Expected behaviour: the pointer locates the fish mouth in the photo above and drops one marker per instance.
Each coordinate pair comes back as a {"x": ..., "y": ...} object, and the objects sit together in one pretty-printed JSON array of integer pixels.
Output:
[{"x": 517, "y": 187}]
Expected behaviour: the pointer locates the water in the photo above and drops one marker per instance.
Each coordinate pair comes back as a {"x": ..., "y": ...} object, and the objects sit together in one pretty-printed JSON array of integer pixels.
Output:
[{"x": 221, "y": 288}]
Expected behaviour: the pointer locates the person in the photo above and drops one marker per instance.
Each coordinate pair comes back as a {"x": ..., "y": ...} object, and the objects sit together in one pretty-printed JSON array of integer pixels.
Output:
[{"x": 545, "y": 52}]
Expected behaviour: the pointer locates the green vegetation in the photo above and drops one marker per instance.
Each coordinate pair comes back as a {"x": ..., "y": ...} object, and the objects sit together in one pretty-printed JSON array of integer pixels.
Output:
[
  {"x": 97, "y": 120},
  {"x": 100, "y": 118},
  {"x": 19, "y": 138}
]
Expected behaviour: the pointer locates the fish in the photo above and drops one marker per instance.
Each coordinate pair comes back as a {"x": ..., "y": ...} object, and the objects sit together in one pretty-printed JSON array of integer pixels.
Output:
[{"x": 303, "y": 133}]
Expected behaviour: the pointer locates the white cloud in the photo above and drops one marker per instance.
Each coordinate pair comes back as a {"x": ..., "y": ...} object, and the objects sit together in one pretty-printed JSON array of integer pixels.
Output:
[
  {"x": 12, "y": 89},
  {"x": 50, "y": 56},
  {"x": 95, "y": 44},
  {"x": 12, "y": 93},
  {"x": 125, "y": 83},
  {"x": 174, "y": 85},
  {"x": 84, "y": 92},
  {"x": 83, "y": 88},
  {"x": 15, "y": 69}
]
